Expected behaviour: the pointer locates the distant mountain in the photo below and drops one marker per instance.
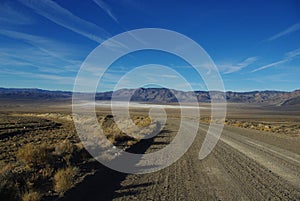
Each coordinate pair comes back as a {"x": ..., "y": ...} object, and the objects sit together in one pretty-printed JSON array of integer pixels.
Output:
[
  {"x": 160, "y": 95},
  {"x": 262, "y": 97},
  {"x": 170, "y": 95},
  {"x": 292, "y": 101},
  {"x": 33, "y": 94}
]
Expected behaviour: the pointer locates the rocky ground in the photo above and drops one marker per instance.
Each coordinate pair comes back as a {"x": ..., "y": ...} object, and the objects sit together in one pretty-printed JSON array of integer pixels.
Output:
[{"x": 38, "y": 150}]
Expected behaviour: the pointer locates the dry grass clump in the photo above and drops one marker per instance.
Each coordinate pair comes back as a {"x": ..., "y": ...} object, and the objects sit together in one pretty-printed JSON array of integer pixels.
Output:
[
  {"x": 209, "y": 120},
  {"x": 34, "y": 155},
  {"x": 126, "y": 132},
  {"x": 113, "y": 133},
  {"x": 37, "y": 170},
  {"x": 9, "y": 190},
  {"x": 131, "y": 142},
  {"x": 42, "y": 163},
  {"x": 287, "y": 128},
  {"x": 65, "y": 150},
  {"x": 46, "y": 172},
  {"x": 142, "y": 121},
  {"x": 31, "y": 196},
  {"x": 35, "y": 149},
  {"x": 64, "y": 179},
  {"x": 66, "y": 147}
]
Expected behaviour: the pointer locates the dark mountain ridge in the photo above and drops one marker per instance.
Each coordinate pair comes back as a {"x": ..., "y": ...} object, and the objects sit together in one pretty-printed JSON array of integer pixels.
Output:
[{"x": 160, "y": 95}]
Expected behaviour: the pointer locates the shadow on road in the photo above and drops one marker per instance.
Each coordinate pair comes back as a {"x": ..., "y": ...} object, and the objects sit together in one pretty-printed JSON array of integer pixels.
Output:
[{"x": 105, "y": 182}]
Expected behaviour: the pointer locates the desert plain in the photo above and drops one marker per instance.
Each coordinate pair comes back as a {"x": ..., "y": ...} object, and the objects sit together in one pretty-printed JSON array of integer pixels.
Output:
[{"x": 256, "y": 158}]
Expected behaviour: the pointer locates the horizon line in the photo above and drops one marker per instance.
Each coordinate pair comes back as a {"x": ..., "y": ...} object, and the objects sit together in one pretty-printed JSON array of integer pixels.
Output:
[{"x": 70, "y": 91}]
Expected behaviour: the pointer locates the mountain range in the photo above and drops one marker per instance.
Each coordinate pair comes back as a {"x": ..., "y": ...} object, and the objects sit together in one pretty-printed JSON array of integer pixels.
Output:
[{"x": 159, "y": 95}]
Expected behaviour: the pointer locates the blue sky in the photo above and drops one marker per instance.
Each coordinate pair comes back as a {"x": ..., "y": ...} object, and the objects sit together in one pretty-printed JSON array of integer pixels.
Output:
[{"x": 254, "y": 44}]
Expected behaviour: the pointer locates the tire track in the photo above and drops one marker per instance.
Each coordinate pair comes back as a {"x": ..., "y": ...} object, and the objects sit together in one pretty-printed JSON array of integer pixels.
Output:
[{"x": 226, "y": 174}]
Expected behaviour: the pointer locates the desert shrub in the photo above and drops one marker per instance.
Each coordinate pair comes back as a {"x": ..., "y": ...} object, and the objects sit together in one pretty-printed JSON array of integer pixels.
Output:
[
  {"x": 46, "y": 172},
  {"x": 131, "y": 142},
  {"x": 108, "y": 122},
  {"x": 142, "y": 121},
  {"x": 8, "y": 185},
  {"x": 111, "y": 138},
  {"x": 64, "y": 179},
  {"x": 34, "y": 155},
  {"x": 66, "y": 147},
  {"x": 122, "y": 138},
  {"x": 65, "y": 150},
  {"x": 80, "y": 154},
  {"x": 31, "y": 196}
]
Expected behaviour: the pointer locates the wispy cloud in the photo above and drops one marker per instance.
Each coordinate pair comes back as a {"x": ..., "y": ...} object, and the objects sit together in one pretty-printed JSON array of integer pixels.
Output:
[
  {"x": 31, "y": 59},
  {"x": 293, "y": 53},
  {"x": 104, "y": 6},
  {"x": 65, "y": 18},
  {"x": 38, "y": 55},
  {"x": 107, "y": 9},
  {"x": 270, "y": 65},
  {"x": 8, "y": 15},
  {"x": 51, "y": 47},
  {"x": 231, "y": 68},
  {"x": 288, "y": 57},
  {"x": 287, "y": 31},
  {"x": 45, "y": 76}
]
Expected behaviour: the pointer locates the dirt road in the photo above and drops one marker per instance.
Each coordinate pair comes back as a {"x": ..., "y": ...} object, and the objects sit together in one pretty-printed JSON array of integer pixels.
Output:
[{"x": 245, "y": 165}]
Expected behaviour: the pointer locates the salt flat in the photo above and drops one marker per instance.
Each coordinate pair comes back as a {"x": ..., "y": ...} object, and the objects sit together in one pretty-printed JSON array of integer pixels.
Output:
[{"x": 123, "y": 104}]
